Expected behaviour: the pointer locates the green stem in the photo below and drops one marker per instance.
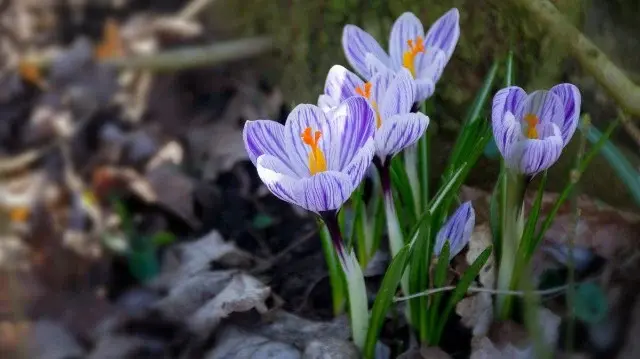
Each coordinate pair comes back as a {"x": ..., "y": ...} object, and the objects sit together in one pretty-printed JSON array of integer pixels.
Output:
[
  {"x": 411, "y": 166},
  {"x": 356, "y": 287},
  {"x": 335, "y": 276}
]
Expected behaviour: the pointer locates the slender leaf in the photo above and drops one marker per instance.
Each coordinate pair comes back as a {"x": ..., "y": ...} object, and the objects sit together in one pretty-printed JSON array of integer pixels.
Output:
[
  {"x": 623, "y": 168},
  {"x": 491, "y": 149},
  {"x": 336, "y": 276},
  {"x": 384, "y": 298},
  {"x": 438, "y": 281},
  {"x": 461, "y": 288},
  {"x": 419, "y": 276}
]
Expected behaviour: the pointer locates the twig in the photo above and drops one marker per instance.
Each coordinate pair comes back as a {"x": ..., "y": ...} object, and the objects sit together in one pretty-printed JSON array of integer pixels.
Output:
[
  {"x": 194, "y": 8},
  {"x": 592, "y": 59},
  {"x": 630, "y": 127},
  {"x": 519, "y": 293}
]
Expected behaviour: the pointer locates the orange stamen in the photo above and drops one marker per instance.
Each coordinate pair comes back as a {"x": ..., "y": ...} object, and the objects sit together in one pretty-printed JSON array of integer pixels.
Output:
[
  {"x": 532, "y": 121},
  {"x": 111, "y": 44},
  {"x": 19, "y": 214},
  {"x": 317, "y": 162},
  {"x": 31, "y": 73},
  {"x": 409, "y": 56},
  {"x": 365, "y": 91}
]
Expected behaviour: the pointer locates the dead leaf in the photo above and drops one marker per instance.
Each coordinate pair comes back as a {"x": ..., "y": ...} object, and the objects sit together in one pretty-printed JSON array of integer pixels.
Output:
[
  {"x": 330, "y": 348},
  {"x": 50, "y": 340},
  {"x": 476, "y": 312},
  {"x": 242, "y": 294},
  {"x": 289, "y": 328},
  {"x": 236, "y": 343},
  {"x": 480, "y": 240},
  {"x": 174, "y": 190}
]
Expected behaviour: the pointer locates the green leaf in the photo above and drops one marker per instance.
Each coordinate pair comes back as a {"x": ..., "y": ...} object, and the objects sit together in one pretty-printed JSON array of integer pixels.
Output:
[
  {"x": 163, "y": 238},
  {"x": 384, "y": 298},
  {"x": 622, "y": 167},
  {"x": 460, "y": 290},
  {"x": 590, "y": 303},
  {"x": 491, "y": 149},
  {"x": 438, "y": 281},
  {"x": 262, "y": 221},
  {"x": 336, "y": 277},
  {"x": 400, "y": 184},
  {"x": 419, "y": 276},
  {"x": 526, "y": 249},
  {"x": 483, "y": 95}
]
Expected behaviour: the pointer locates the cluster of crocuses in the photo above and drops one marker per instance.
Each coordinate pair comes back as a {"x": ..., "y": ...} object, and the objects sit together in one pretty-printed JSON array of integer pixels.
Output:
[{"x": 321, "y": 154}]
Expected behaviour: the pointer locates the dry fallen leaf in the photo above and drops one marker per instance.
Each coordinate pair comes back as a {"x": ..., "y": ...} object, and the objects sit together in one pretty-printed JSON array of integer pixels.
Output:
[
  {"x": 242, "y": 294},
  {"x": 236, "y": 343},
  {"x": 476, "y": 312},
  {"x": 481, "y": 238}
]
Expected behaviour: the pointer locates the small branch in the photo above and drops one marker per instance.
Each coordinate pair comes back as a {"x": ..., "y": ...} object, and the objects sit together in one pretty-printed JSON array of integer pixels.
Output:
[
  {"x": 194, "y": 8},
  {"x": 518, "y": 293},
  {"x": 592, "y": 59}
]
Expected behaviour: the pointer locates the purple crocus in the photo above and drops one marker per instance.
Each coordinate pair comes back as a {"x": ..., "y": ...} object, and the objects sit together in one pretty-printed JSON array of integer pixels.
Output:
[
  {"x": 424, "y": 55},
  {"x": 531, "y": 130},
  {"x": 457, "y": 231},
  {"x": 315, "y": 160},
  {"x": 391, "y": 95}
]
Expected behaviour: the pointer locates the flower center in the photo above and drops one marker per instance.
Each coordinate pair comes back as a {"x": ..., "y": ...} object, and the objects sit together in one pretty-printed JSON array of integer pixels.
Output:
[
  {"x": 532, "y": 121},
  {"x": 365, "y": 91},
  {"x": 317, "y": 162},
  {"x": 409, "y": 56}
]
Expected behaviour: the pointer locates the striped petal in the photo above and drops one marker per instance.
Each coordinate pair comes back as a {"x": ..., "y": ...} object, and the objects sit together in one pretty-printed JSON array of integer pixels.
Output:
[
  {"x": 406, "y": 27},
  {"x": 341, "y": 83},
  {"x": 326, "y": 103},
  {"x": 506, "y": 100},
  {"x": 507, "y": 134},
  {"x": 326, "y": 191},
  {"x": 399, "y": 96},
  {"x": 352, "y": 124},
  {"x": 538, "y": 155},
  {"x": 299, "y": 119},
  {"x": 457, "y": 230},
  {"x": 571, "y": 100},
  {"x": 545, "y": 105},
  {"x": 444, "y": 33},
  {"x": 429, "y": 68},
  {"x": 279, "y": 179},
  {"x": 357, "y": 43},
  {"x": 375, "y": 65},
  {"x": 399, "y": 132},
  {"x": 357, "y": 168},
  {"x": 380, "y": 84},
  {"x": 264, "y": 137},
  {"x": 424, "y": 89}
]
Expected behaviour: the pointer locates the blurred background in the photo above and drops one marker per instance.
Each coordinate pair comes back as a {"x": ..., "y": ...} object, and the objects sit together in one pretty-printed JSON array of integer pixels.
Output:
[{"x": 133, "y": 225}]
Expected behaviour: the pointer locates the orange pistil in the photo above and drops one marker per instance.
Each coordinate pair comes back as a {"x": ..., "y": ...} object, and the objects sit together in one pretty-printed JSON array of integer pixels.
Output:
[
  {"x": 111, "y": 44},
  {"x": 317, "y": 162},
  {"x": 409, "y": 56},
  {"x": 365, "y": 91},
  {"x": 19, "y": 214},
  {"x": 532, "y": 121}
]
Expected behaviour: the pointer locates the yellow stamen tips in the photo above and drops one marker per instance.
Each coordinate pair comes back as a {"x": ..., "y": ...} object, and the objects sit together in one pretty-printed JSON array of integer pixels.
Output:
[
  {"x": 532, "y": 121},
  {"x": 19, "y": 214},
  {"x": 31, "y": 73},
  {"x": 111, "y": 44},
  {"x": 409, "y": 56},
  {"x": 365, "y": 91},
  {"x": 317, "y": 162}
]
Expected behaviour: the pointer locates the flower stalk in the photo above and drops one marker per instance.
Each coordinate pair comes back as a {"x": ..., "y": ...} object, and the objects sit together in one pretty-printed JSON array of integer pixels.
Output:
[{"x": 356, "y": 288}]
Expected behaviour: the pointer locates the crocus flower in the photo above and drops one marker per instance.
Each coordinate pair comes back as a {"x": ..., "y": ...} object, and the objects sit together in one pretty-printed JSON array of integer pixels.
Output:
[
  {"x": 425, "y": 56},
  {"x": 531, "y": 130},
  {"x": 315, "y": 160},
  {"x": 457, "y": 230},
  {"x": 391, "y": 95}
]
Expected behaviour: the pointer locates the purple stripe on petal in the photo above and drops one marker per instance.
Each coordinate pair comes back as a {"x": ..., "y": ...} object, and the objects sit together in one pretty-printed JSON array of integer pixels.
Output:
[
  {"x": 507, "y": 133},
  {"x": 506, "y": 100},
  {"x": 326, "y": 191},
  {"x": 341, "y": 83},
  {"x": 398, "y": 132},
  {"x": 360, "y": 163},
  {"x": 326, "y": 103},
  {"x": 299, "y": 119},
  {"x": 356, "y": 44},
  {"x": 571, "y": 100},
  {"x": 283, "y": 185},
  {"x": 457, "y": 230},
  {"x": 406, "y": 27},
  {"x": 352, "y": 124},
  {"x": 375, "y": 65},
  {"x": 444, "y": 33},
  {"x": 264, "y": 137},
  {"x": 379, "y": 84},
  {"x": 538, "y": 155},
  {"x": 399, "y": 96},
  {"x": 424, "y": 89}
]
